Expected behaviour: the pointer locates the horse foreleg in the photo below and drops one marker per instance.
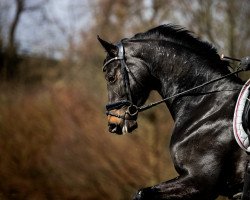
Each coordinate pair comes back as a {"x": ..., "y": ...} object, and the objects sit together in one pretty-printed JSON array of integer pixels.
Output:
[{"x": 179, "y": 188}]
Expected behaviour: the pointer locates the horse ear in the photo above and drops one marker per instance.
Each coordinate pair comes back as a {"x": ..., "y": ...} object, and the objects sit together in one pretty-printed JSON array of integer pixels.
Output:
[{"x": 110, "y": 48}]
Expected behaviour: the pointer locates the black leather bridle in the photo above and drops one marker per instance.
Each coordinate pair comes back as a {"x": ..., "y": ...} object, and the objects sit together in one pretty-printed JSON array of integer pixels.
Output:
[{"x": 132, "y": 109}]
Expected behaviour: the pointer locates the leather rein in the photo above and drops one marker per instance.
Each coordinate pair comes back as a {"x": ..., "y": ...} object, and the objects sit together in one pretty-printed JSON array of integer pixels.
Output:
[{"x": 132, "y": 109}]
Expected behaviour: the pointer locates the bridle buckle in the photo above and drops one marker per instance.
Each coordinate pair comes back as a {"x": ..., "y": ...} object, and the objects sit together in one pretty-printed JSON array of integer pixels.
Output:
[{"x": 132, "y": 110}]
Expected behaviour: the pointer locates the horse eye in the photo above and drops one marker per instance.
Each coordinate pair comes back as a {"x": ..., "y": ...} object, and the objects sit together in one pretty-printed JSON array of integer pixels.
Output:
[{"x": 111, "y": 79}]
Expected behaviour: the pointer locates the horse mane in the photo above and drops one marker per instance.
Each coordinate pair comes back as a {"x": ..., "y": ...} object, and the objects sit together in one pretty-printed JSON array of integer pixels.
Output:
[{"x": 183, "y": 37}]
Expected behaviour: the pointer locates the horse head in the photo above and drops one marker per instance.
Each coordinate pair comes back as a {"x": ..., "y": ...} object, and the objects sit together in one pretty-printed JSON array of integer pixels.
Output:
[{"x": 126, "y": 75}]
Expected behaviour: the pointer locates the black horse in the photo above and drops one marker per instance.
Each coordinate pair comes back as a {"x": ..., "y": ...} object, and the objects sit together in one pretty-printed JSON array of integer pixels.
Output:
[{"x": 170, "y": 60}]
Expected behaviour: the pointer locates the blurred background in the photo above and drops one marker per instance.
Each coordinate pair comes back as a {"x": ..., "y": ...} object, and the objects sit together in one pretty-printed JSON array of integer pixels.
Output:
[{"x": 54, "y": 142}]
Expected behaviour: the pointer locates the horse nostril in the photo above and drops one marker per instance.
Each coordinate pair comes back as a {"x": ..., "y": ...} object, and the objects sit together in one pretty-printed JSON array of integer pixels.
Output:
[
  {"x": 112, "y": 128},
  {"x": 115, "y": 128}
]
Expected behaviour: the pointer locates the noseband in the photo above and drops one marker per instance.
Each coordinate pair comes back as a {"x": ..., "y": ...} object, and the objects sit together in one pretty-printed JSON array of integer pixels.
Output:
[{"x": 132, "y": 109}]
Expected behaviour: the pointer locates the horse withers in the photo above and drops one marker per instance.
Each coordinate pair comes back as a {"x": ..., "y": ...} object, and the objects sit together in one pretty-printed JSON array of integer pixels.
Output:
[{"x": 180, "y": 67}]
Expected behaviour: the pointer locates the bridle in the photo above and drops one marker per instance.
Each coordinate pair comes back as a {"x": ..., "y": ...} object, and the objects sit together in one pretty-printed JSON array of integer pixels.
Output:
[{"x": 132, "y": 109}]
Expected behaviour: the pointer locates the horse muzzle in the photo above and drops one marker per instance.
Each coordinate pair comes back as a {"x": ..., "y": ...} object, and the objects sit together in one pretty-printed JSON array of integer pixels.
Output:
[{"x": 122, "y": 121}]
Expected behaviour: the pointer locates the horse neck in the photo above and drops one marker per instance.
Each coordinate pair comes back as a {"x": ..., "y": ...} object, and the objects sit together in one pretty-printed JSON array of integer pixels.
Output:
[{"x": 178, "y": 70}]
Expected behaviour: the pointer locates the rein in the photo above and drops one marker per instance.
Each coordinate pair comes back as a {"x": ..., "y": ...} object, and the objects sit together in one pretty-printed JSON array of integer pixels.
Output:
[
  {"x": 146, "y": 107},
  {"x": 133, "y": 109}
]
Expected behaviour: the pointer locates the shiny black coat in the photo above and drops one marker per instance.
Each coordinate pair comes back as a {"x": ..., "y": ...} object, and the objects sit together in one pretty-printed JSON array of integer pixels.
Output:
[{"x": 203, "y": 149}]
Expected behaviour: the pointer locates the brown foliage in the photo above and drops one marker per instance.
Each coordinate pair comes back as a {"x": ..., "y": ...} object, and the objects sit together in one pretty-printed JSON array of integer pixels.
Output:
[{"x": 53, "y": 146}]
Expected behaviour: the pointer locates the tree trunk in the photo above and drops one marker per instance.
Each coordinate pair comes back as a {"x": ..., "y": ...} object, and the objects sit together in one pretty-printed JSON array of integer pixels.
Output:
[{"x": 11, "y": 60}]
